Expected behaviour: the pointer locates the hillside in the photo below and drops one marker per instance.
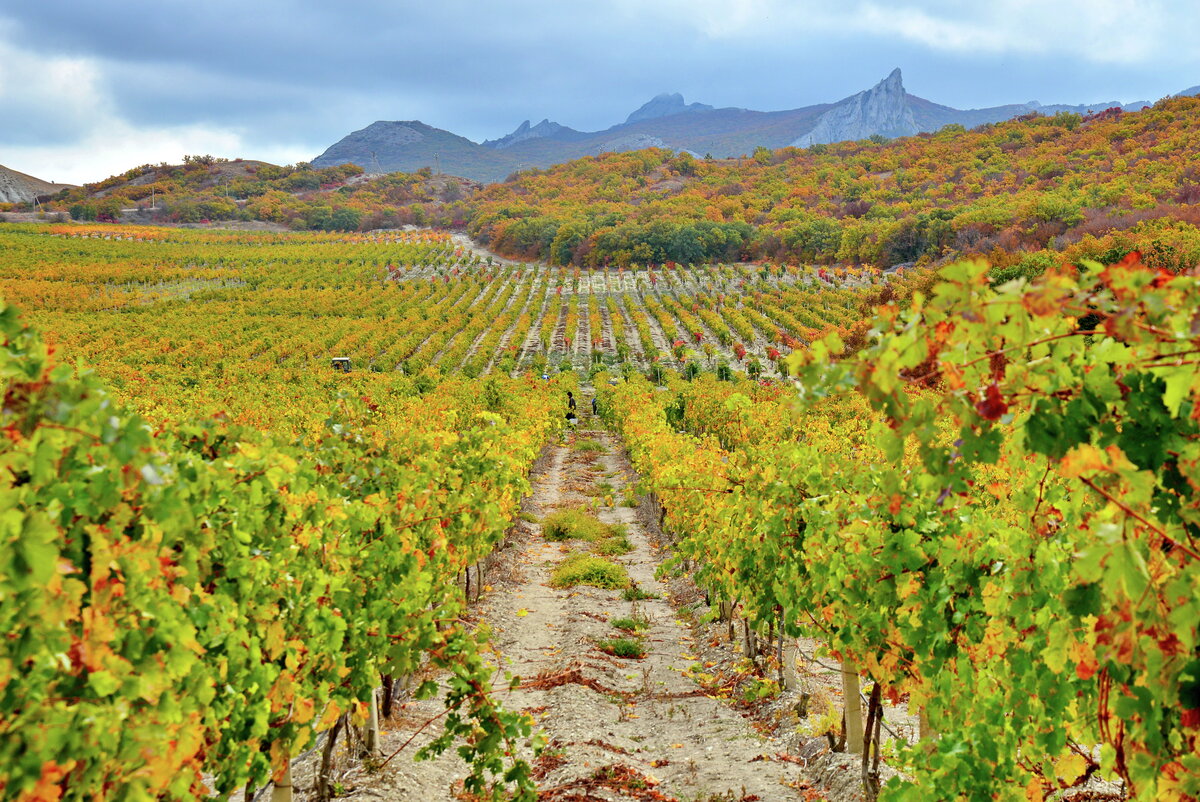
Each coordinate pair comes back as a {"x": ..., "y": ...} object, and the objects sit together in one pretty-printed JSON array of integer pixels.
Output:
[
  {"x": 206, "y": 188},
  {"x": 1064, "y": 183},
  {"x": 668, "y": 121},
  {"x": 407, "y": 146},
  {"x": 18, "y": 187}
]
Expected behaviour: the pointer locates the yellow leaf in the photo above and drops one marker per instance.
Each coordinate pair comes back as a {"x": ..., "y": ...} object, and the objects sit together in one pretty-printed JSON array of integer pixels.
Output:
[
  {"x": 1034, "y": 792},
  {"x": 1083, "y": 459},
  {"x": 332, "y": 711},
  {"x": 303, "y": 711},
  {"x": 522, "y": 612},
  {"x": 1070, "y": 767}
]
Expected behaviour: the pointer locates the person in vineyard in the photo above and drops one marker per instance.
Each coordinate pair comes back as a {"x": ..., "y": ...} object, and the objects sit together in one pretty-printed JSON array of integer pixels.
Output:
[
  {"x": 595, "y": 406},
  {"x": 571, "y": 408}
]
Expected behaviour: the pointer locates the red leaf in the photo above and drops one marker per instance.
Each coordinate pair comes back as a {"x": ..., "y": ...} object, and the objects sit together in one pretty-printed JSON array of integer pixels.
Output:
[{"x": 993, "y": 405}]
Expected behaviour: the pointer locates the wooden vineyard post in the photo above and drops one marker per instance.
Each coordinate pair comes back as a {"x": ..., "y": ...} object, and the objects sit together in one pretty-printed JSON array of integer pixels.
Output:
[
  {"x": 371, "y": 741},
  {"x": 725, "y": 613},
  {"x": 853, "y": 708},
  {"x": 788, "y": 660},
  {"x": 282, "y": 791},
  {"x": 925, "y": 731}
]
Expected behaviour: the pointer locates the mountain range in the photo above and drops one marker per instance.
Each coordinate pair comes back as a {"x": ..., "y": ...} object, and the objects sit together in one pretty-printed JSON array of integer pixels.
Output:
[{"x": 667, "y": 121}]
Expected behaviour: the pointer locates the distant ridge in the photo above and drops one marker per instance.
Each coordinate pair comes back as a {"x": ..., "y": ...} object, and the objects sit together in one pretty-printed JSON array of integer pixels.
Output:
[
  {"x": 668, "y": 121},
  {"x": 16, "y": 187}
]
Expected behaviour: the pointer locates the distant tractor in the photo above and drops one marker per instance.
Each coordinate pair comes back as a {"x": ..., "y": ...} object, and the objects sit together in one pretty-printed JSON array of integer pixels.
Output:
[{"x": 340, "y": 364}]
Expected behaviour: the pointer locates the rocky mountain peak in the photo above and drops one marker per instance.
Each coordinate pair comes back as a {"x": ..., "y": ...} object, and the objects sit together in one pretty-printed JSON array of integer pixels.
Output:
[
  {"x": 524, "y": 131},
  {"x": 665, "y": 105},
  {"x": 882, "y": 109}
]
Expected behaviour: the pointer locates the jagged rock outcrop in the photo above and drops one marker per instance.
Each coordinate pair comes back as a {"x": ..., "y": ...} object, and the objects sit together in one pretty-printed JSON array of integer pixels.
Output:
[
  {"x": 631, "y": 142},
  {"x": 18, "y": 187},
  {"x": 525, "y": 132},
  {"x": 883, "y": 109},
  {"x": 665, "y": 105}
]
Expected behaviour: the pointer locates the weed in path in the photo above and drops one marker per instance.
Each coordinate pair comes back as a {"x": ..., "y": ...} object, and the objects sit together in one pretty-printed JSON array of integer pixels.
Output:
[
  {"x": 589, "y": 569},
  {"x": 630, "y": 624},
  {"x": 628, "y": 648},
  {"x": 635, "y": 593},
  {"x": 613, "y": 545},
  {"x": 576, "y": 524}
]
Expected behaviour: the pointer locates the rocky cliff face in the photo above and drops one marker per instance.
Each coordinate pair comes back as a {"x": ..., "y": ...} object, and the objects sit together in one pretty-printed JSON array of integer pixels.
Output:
[
  {"x": 882, "y": 109},
  {"x": 665, "y": 105},
  {"x": 20, "y": 188}
]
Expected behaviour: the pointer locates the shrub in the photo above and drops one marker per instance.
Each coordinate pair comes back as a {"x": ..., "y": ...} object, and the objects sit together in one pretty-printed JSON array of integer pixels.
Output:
[{"x": 635, "y": 593}]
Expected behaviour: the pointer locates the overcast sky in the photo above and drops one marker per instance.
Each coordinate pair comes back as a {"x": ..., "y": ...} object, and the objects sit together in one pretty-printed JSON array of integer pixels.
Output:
[{"x": 89, "y": 89}]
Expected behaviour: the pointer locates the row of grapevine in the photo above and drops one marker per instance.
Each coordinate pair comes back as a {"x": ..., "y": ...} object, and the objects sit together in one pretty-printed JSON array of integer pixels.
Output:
[
  {"x": 204, "y": 598},
  {"x": 992, "y": 511}
]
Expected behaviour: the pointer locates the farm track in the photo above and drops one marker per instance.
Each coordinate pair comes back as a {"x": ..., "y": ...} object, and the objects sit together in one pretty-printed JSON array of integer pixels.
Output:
[{"x": 645, "y": 721}]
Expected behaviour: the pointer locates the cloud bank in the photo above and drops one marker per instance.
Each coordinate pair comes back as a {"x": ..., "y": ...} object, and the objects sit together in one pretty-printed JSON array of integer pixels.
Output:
[{"x": 87, "y": 90}]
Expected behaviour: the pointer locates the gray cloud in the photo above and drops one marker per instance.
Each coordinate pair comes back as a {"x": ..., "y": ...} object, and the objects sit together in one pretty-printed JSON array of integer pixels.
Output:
[{"x": 291, "y": 76}]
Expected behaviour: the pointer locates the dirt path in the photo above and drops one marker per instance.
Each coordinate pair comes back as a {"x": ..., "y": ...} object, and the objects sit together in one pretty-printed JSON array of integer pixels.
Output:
[
  {"x": 466, "y": 243},
  {"x": 647, "y": 718}
]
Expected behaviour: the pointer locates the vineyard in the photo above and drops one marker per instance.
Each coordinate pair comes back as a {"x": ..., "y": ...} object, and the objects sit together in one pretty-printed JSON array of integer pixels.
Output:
[
  {"x": 216, "y": 539},
  {"x": 151, "y": 306}
]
